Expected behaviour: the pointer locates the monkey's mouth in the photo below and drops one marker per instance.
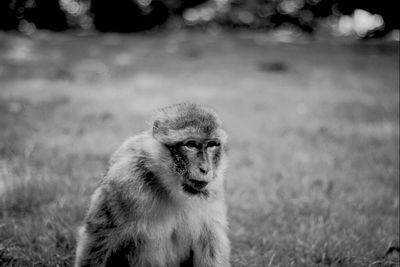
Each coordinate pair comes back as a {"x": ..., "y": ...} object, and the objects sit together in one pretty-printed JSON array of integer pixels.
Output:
[{"x": 195, "y": 188}]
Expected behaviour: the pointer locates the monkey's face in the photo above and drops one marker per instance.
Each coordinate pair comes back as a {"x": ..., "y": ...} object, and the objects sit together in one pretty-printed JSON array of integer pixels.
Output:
[{"x": 196, "y": 162}]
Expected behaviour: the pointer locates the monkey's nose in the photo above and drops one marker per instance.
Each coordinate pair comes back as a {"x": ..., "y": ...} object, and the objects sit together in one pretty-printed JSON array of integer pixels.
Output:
[
  {"x": 203, "y": 170},
  {"x": 198, "y": 184}
]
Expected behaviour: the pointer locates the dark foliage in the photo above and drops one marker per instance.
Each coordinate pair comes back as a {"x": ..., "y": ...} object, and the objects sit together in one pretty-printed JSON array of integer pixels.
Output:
[
  {"x": 305, "y": 14},
  {"x": 47, "y": 14},
  {"x": 127, "y": 16},
  {"x": 139, "y": 15},
  {"x": 8, "y": 18},
  {"x": 44, "y": 14}
]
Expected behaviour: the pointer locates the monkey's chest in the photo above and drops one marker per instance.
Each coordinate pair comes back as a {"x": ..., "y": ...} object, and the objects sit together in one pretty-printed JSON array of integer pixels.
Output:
[{"x": 169, "y": 245}]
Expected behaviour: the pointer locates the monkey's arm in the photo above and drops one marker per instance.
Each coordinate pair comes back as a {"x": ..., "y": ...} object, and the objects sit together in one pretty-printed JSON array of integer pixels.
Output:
[
  {"x": 213, "y": 248},
  {"x": 97, "y": 239},
  {"x": 100, "y": 243},
  {"x": 93, "y": 242},
  {"x": 92, "y": 249}
]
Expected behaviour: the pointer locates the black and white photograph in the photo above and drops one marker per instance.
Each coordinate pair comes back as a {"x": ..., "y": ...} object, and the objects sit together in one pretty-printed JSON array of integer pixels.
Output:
[{"x": 199, "y": 133}]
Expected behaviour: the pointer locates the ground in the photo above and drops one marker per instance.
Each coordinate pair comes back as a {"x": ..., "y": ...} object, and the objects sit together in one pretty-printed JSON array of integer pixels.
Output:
[{"x": 313, "y": 138}]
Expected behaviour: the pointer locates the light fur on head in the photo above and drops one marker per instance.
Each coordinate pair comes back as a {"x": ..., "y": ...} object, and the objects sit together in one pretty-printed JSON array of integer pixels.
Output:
[{"x": 182, "y": 121}]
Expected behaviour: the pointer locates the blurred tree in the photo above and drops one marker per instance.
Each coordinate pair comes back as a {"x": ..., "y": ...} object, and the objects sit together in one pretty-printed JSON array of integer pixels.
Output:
[
  {"x": 8, "y": 18},
  {"x": 46, "y": 14},
  {"x": 388, "y": 9},
  {"x": 43, "y": 14},
  {"x": 77, "y": 12},
  {"x": 304, "y": 14},
  {"x": 179, "y": 6},
  {"x": 128, "y": 15},
  {"x": 138, "y": 15}
]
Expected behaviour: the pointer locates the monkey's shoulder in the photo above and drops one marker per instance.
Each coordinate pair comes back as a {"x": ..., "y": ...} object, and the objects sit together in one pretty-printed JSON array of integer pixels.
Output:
[{"x": 130, "y": 147}]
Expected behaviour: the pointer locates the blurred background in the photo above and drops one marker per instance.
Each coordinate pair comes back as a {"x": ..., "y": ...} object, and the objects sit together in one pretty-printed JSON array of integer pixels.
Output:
[
  {"x": 308, "y": 91},
  {"x": 364, "y": 19}
]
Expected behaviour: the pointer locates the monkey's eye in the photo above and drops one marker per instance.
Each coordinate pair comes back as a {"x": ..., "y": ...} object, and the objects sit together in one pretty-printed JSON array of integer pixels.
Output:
[
  {"x": 212, "y": 144},
  {"x": 190, "y": 144}
]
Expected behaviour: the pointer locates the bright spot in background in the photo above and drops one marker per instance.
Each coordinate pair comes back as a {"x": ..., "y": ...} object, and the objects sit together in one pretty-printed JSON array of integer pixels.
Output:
[
  {"x": 72, "y": 7},
  {"x": 191, "y": 15},
  {"x": 144, "y": 3},
  {"x": 246, "y": 17},
  {"x": 360, "y": 23},
  {"x": 395, "y": 35},
  {"x": 79, "y": 10},
  {"x": 205, "y": 12},
  {"x": 290, "y": 6},
  {"x": 26, "y": 27}
]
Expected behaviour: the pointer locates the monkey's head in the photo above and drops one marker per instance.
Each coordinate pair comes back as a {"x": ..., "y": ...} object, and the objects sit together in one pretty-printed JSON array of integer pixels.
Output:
[{"x": 195, "y": 139}]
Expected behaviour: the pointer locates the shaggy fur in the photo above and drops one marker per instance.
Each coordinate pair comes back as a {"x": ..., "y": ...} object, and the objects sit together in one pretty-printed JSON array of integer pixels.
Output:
[{"x": 154, "y": 207}]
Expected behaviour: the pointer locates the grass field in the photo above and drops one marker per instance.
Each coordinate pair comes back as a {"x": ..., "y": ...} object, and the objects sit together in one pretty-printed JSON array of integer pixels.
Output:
[{"x": 314, "y": 139}]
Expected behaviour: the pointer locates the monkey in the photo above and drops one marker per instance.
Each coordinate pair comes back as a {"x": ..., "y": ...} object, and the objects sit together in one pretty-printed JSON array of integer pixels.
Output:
[{"x": 161, "y": 202}]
